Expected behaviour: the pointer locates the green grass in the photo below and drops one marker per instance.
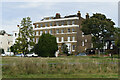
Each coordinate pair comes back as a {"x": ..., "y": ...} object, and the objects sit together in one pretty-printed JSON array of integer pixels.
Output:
[{"x": 68, "y": 67}]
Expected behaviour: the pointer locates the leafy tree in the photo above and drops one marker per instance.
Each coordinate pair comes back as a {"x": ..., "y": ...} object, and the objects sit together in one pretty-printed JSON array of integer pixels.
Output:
[
  {"x": 64, "y": 48},
  {"x": 100, "y": 27},
  {"x": 25, "y": 42},
  {"x": 117, "y": 37},
  {"x": 14, "y": 48},
  {"x": 46, "y": 46}
]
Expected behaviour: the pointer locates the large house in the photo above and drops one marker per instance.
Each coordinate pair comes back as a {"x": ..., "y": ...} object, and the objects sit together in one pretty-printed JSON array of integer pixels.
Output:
[
  {"x": 66, "y": 30},
  {"x": 6, "y": 40}
]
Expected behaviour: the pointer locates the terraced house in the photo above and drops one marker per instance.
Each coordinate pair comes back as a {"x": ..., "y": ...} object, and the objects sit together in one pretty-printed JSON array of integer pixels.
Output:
[{"x": 66, "y": 30}]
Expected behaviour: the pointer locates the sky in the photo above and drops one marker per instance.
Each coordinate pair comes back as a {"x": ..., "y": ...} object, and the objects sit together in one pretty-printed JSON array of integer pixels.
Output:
[{"x": 13, "y": 12}]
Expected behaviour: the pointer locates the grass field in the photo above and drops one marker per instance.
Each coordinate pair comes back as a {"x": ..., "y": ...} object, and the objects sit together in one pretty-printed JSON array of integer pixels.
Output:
[{"x": 61, "y": 67}]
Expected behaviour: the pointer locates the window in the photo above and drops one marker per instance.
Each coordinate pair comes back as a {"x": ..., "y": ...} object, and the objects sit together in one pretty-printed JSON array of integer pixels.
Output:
[
  {"x": 62, "y": 30},
  {"x": 73, "y": 38},
  {"x": 68, "y": 22},
  {"x": 83, "y": 44},
  {"x": 41, "y": 32},
  {"x": 73, "y": 30},
  {"x": 57, "y": 24},
  {"x": 82, "y": 34},
  {"x": 37, "y": 40},
  {"x": 62, "y": 39},
  {"x": 57, "y": 31},
  {"x": 50, "y": 24},
  {"x": 46, "y": 25},
  {"x": 85, "y": 40},
  {"x": 37, "y": 25},
  {"x": 73, "y": 47},
  {"x": 73, "y": 22},
  {"x": 57, "y": 39},
  {"x": 50, "y": 32},
  {"x": 46, "y": 32},
  {"x": 69, "y": 38},
  {"x": 68, "y": 30},
  {"x": 62, "y": 23},
  {"x": 37, "y": 32},
  {"x": 15, "y": 34},
  {"x": 41, "y": 25}
]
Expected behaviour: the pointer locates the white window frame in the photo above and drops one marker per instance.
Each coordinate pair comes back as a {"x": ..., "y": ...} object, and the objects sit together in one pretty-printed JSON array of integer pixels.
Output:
[
  {"x": 37, "y": 40},
  {"x": 82, "y": 34},
  {"x": 68, "y": 38},
  {"x": 73, "y": 30},
  {"x": 62, "y": 39},
  {"x": 50, "y": 31},
  {"x": 57, "y": 31},
  {"x": 37, "y": 25},
  {"x": 37, "y": 33},
  {"x": 86, "y": 40},
  {"x": 57, "y": 38},
  {"x": 46, "y": 32},
  {"x": 73, "y": 22},
  {"x": 41, "y": 32},
  {"x": 83, "y": 43},
  {"x": 73, "y": 38},
  {"x": 62, "y": 30}
]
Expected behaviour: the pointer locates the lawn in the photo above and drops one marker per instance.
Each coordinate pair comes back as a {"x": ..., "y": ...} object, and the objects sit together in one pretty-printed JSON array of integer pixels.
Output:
[{"x": 61, "y": 67}]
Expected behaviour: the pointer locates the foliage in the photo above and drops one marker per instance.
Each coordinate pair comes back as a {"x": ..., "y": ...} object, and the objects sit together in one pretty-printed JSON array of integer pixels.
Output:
[
  {"x": 46, "y": 46},
  {"x": 25, "y": 42},
  {"x": 117, "y": 37},
  {"x": 100, "y": 27},
  {"x": 64, "y": 48}
]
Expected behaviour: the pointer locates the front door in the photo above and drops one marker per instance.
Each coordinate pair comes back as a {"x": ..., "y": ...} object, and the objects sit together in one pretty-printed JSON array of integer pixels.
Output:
[{"x": 69, "y": 47}]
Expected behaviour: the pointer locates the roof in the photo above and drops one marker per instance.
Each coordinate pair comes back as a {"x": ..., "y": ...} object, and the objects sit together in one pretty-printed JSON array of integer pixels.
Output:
[{"x": 60, "y": 19}]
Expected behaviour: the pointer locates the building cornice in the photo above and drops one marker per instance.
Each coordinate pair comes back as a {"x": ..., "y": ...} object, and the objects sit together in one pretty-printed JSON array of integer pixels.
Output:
[{"x": 54, "y": 27}]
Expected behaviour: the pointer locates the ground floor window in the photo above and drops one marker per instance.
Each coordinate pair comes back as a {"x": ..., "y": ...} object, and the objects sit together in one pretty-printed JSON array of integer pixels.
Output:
[{"x": 73, "y": 47}]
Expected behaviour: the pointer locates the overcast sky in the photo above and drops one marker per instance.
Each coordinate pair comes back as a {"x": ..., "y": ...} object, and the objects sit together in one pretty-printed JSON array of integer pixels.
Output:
[{"x": 13, "y": 12}]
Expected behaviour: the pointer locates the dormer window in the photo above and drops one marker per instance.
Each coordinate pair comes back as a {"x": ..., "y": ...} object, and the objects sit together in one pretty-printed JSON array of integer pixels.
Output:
[
  {"x": 73, "y": 22},
  {"x": 37, "y": 26},
  {"x": 41, "y": 25},
  {"x": 46, "y": 25},
  {"x": 50, "y": 24}
]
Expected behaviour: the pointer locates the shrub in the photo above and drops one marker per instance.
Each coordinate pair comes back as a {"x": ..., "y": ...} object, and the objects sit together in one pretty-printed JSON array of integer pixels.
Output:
[{"x": 46, "y": 46}]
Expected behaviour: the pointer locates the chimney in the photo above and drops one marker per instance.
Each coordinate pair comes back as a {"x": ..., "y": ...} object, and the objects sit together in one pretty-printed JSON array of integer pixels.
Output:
[
  {"x": 57, "y": 15},
  {"x": 17, "y": 25},
  {"x": 79, "y": 14},
  {"x": 87, "y": 16}
]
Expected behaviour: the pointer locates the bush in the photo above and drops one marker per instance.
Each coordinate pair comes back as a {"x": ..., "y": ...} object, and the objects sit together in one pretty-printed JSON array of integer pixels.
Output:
[{"x": 46, "y": 46}]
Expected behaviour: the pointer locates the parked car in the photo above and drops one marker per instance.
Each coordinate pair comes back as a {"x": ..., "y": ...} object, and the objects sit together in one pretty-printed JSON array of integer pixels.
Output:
[
  {"x": 81, "y": 54},
  {"x": 3, "y": 54},
  {"x": 20, "y": 55},
  {"x": 31, "y": 55},
  {"x": 9, "y": 53}
]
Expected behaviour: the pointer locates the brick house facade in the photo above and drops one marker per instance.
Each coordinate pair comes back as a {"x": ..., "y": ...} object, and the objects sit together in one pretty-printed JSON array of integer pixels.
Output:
[{"x": 66, "y": 30}]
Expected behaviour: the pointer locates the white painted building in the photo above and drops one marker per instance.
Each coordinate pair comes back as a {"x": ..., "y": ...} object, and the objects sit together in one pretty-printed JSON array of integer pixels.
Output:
[
  {"x": 15, "y": 36},
  {"x": 6, "y": 40}
]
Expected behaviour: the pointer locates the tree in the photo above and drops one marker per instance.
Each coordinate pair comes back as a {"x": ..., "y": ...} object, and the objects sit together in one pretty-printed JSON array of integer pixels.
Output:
[
  {"x": 25, "y": 42},
  {"x": 100, "y": 27},
  {"x": 64, "y": 48},
  {"x": 117, "y": 37},
  {"x": 46, "y": 46}
]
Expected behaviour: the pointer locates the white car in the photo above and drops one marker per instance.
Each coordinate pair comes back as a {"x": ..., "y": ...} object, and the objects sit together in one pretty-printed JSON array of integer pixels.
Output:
[
  {"x": 3, "y": 54},
  {"x": 31, "y": 55}
]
